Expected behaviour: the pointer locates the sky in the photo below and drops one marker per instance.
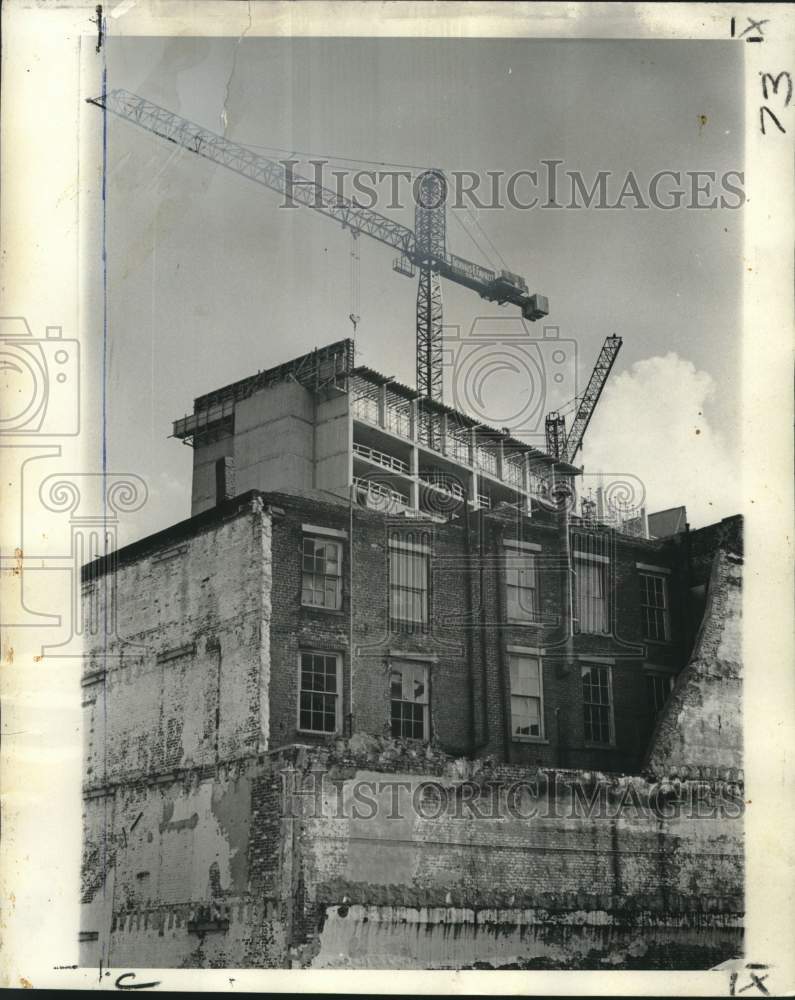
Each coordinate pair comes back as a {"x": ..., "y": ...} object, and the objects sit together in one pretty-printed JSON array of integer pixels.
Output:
[{"x": 209, "y": 280}]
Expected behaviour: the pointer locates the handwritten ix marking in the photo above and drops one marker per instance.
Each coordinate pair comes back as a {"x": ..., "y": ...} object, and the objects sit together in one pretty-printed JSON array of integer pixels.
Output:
[
  {"x": 757, "y": 981},
  {"x": 752, "y": 26}
]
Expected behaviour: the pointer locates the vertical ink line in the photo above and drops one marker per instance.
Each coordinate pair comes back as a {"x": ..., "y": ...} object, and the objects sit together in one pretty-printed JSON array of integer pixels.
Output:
[
  {"x": 104, "y": 290},
  {"x": 104, "y": 447}
]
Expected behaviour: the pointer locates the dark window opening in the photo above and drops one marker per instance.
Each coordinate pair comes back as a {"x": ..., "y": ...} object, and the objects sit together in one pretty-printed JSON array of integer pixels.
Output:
[{"x": 319, "y": 704}]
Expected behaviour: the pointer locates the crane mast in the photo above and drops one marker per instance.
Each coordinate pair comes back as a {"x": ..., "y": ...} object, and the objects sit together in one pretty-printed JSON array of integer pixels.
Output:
[
  {"x": 424, "y": 249},
  {"x": 430, "y": 235},
  {"x": 561, "y": 445}
]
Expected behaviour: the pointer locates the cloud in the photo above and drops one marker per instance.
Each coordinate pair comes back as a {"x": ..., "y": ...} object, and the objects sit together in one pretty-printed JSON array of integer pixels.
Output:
[{"x": 652, "y": 422}]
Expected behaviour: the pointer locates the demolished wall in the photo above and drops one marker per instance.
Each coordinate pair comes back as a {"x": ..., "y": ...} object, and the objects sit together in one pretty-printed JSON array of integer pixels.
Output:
[
  {"x": 372, "y": 854},
  {"x": 205, "y": 849},
  {"x": 590, "y": 871},
  {"x": 410, "y": 863},
  {"x": 702, "y": 719}
]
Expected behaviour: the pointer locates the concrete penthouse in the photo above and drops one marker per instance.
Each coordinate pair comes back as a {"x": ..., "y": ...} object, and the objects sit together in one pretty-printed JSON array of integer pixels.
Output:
[{"x": 396, "y": 696}]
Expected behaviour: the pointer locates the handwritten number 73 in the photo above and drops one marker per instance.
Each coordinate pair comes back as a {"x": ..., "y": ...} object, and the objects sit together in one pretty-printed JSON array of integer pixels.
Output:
[{"x": 772, "y": 82}]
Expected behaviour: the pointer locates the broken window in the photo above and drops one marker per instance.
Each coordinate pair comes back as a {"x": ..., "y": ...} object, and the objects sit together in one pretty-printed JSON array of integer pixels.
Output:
[
  {"x": 321, "y": 583},
  {"x": 654, "y": 607},
  {"x": 597, "y": 703},
  {"x": 527, "y": 719},
  {"x": 408, "y": 690},
  {"x": 318, "y": 706}
]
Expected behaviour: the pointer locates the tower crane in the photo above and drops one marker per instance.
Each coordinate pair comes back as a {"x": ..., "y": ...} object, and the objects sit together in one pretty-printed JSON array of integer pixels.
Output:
[
  {"x": 565, "y": 446},
  {"x": 422, "y": 250}
]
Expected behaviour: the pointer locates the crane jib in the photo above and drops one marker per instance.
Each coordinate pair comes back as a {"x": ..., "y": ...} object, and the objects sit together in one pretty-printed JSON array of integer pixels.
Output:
[
  {"x": 424, "y": 248},
  {"x": 596, "y": 383},
  {"x": 297, "y": 190}
]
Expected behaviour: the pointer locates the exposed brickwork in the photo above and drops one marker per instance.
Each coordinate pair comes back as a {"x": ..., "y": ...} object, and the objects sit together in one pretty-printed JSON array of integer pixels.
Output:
[
  {"x": 191, "y": 857},
  {"x": 468, "y": 636},
  {"x": 658, "y": 856},
  {"x": 663, "y": 856}
]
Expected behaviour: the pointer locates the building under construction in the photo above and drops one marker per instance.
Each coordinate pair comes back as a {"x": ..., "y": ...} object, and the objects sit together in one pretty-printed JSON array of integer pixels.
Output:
[
  {"x": 372, "y": 588},
  {"x": 400, "y": 693}
]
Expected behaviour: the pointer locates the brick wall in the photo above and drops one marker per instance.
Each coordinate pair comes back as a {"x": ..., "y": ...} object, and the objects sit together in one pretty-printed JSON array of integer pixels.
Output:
[
  {"x": 190, "y": 857},
  {"x": 461, "y": 850},
  {"x": 196, "y": 616},
  {"x": 467, "y": 642}
]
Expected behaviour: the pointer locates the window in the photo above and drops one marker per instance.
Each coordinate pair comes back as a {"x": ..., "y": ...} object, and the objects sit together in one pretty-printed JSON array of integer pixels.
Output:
[
  {"x": 318, "y": 702},
  {"x": 408, "y": 585},
  {"x": 597, "y": 703},
  {"x": 321, "y": 584},
  {"x": 658, "y": 686},
  {"x": 591, "y": 596},
  {"x": 527, "y": 718},
  {"x": 521, "y": 586},
  {"x": 408, "y": 690},
  {"x": 654, "y": 607}
]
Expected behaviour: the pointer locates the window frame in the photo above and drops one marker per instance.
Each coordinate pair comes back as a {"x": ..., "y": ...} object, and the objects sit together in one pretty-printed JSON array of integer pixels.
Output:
[
  {"x": 601, "y": 563},
  {"x": 324, "y": 539},
  {"x": 665, "y": 609},
  {"x": 655, "y": 675},
  {"x": 535, "y": 654},
  {"x": 398, "y": 664},
  {"x": 398, "y": 547},
  {"x": 590, "y": 664},
  {"x": 511, "y": 550},
  {"x": 337, "y": 694}
]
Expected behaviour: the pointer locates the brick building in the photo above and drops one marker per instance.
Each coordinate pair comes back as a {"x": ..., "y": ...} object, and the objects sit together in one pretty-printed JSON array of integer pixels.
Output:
[{"x": 371, "y": 579}]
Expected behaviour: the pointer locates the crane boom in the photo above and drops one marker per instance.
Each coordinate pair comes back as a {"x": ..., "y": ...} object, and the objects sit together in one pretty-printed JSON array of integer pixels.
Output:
[
  {"x": 424, "y": 250},
  {"x": 565, "y": 446},
  {"x": 256, "y": 167}
]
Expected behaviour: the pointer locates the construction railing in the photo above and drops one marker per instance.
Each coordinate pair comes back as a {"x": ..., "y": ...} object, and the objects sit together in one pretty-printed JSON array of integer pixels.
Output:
[
  {"x": 381, "y": 458},
  {"x": 382, "y": 495}
]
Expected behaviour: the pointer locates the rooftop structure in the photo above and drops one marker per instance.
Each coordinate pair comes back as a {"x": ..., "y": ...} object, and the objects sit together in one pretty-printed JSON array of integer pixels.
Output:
[{"x": 322, "y": 422}]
